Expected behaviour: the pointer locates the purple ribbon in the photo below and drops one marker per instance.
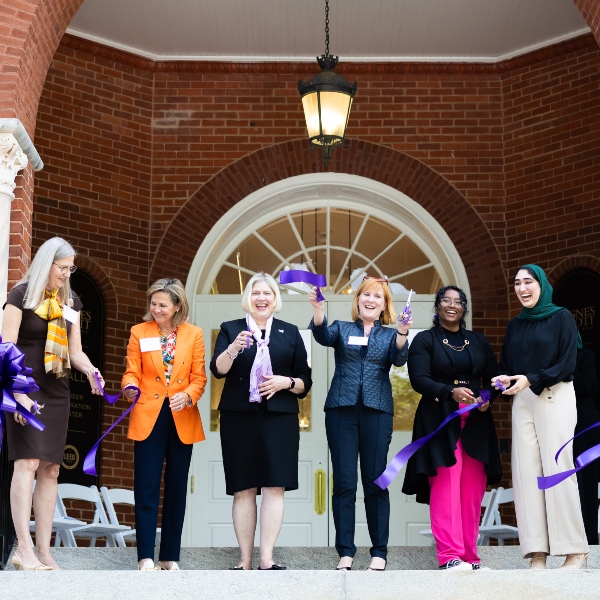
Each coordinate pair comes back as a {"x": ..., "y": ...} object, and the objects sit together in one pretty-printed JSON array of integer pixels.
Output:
[
  {"x": 297, "y": 276},
  {"x": 584, "y": 459},
  {"x": 396, "y": 464},
  {"x": 89, "y": 464},
  {"x": 15, "y": 378}
]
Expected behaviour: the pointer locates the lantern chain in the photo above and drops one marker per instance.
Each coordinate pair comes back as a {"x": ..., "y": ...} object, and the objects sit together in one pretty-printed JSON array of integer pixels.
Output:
[{"x": 326, "y": 27}]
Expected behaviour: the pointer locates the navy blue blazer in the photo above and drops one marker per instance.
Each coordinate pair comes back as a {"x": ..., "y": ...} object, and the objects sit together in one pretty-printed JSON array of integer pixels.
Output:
[
  {"x": 361, "y": 368},
  {"x": 288, "y": 358}
]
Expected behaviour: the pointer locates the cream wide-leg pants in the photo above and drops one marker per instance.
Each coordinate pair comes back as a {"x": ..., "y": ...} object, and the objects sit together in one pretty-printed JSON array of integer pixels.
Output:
[{"x": 548, "y": 520}]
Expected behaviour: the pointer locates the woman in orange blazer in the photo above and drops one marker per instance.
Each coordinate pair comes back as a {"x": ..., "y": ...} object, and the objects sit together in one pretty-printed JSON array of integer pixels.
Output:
[{"x": 165, "y": 360}]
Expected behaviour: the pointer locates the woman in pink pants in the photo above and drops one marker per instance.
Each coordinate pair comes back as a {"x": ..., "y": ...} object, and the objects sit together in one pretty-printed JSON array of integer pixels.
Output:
[{"x": 448, "y": 365}]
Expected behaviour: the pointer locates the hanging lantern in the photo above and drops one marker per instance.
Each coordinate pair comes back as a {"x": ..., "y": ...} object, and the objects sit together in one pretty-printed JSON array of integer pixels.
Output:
[{"x": 327, "y": 100}]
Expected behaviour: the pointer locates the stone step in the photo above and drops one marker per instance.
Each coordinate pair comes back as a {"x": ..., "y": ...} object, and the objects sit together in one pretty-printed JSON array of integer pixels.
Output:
[
  {"x": 303, "y": 585},
  {"x": 400, "y": 558}
]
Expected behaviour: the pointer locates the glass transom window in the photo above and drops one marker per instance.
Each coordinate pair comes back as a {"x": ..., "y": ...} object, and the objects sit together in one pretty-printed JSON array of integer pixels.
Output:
[{"x": 341, "y": 243}]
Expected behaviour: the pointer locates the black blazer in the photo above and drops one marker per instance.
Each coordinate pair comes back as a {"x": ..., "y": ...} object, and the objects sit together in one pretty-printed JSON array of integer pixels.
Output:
[
  {"x": 433, "y": 374},
  {"x": 288, "y": 358}
]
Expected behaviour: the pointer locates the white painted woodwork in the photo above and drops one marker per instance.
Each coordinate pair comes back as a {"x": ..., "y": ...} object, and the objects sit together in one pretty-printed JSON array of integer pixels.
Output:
[{"x": 282, "y": 30}]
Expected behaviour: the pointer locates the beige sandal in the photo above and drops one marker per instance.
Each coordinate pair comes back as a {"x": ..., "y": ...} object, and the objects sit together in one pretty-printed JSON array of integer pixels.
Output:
[{"x": 537, "y": 561}]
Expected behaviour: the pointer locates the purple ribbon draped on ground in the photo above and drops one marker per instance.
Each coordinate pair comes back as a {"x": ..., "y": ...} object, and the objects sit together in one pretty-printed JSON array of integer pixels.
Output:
[
  {"x": 297, "y": 276},
  {"x": 15, "y": 378},
  {"x": 396, "y": 464},
  {"x": 584, "y": 459},
  {"x": 89, "y": 464}
]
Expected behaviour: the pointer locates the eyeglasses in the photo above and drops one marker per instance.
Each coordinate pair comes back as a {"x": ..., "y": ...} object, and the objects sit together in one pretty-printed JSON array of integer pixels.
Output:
[
  {"x": 451, "y": 302},
  {"x": 382, "y": 279},
  {"x": 65, "y": 270}
]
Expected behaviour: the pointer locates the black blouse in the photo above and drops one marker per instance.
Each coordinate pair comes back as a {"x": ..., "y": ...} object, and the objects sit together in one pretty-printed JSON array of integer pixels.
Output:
[{"x": 545, "y": 351}]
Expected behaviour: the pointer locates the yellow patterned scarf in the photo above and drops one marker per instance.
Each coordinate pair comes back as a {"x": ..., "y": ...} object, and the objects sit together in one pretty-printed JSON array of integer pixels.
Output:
[{"x": 56, "y": 352}]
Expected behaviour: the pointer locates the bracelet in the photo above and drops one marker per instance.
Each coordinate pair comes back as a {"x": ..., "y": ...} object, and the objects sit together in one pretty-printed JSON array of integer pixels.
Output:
[
  {"x": 231, "y": 356},
  {"x": 398, "y": 332},
  {"x": 92, "y": 370}
]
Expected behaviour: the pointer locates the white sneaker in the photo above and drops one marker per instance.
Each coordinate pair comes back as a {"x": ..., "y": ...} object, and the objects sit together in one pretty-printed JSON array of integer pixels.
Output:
[
  {"x": 479, "y": 567},
  {"x": 457, "y": 565}
]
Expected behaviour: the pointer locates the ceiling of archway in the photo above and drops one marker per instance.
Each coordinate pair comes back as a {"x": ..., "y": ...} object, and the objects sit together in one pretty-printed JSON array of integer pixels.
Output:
[{"x": 361, "y": 30}]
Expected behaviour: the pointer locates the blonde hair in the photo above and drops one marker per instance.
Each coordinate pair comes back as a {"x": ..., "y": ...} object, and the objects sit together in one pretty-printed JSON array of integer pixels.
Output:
[
  {"x": 388, "y": 315},
  {"x": 176, "y": 291},
  {"x": 38, "y": 273},
  {"x": 246, "y": 304}
]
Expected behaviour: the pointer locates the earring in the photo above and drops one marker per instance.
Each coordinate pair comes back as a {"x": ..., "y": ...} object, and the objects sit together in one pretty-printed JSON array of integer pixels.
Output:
[{"x": 435, "y": 316}]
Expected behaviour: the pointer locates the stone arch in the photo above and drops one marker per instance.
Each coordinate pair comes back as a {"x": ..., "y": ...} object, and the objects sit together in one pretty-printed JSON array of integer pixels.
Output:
[{"x": 395, "y": 169}]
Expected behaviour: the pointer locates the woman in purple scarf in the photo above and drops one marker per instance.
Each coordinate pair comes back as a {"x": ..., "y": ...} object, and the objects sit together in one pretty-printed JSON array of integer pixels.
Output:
[{"x": 265, "y": 366}]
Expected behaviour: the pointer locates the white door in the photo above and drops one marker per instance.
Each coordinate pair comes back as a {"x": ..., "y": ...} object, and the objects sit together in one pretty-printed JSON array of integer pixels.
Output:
[{"x": 307, "y": 520}]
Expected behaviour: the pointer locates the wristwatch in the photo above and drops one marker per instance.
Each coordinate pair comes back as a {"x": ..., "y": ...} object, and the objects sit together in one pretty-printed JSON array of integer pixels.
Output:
[{"x": 292, "y": 383}]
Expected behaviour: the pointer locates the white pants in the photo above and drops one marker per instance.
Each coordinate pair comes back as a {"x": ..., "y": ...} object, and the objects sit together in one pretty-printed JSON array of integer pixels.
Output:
[{"x": 548, "y": 520}]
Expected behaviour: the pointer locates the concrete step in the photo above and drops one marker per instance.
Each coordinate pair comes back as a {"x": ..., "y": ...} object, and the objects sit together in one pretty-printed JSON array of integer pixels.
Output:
[
  {"x": 412, "y": 558},
  {"x": 411, "y": 574}
]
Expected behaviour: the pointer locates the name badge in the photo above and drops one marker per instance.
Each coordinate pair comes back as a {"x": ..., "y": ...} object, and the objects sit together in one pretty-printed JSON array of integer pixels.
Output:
[
  {"x": 69, "y": 314},
  {"x": 357, "y": 340},
  {"x": 149, "y": 344}
]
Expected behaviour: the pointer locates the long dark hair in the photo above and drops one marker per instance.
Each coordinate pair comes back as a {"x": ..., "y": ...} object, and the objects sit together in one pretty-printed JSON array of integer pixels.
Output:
[{"x": 438, "y": 298}]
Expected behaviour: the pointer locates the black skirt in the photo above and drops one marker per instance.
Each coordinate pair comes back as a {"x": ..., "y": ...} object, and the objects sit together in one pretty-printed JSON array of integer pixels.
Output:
[{"x": 260, "y": 449}]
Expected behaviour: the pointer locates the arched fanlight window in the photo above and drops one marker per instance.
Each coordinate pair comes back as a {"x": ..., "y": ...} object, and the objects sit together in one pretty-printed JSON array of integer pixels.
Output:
[{"x": 341, "y": 243}]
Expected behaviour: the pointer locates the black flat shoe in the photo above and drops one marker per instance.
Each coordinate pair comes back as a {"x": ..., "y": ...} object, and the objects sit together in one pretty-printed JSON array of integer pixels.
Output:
[
  {"x": 274, "y": 568},
  {"x": 344, "y": 568},
  {"x": 237, "y": 569}
]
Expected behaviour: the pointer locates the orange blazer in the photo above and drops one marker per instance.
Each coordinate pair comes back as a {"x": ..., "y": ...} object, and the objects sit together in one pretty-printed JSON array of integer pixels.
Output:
[{"x": 145, "y": 370}]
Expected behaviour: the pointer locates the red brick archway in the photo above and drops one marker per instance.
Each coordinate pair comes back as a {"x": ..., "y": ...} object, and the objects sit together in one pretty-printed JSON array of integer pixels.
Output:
[{"x": 454, "y": 213}]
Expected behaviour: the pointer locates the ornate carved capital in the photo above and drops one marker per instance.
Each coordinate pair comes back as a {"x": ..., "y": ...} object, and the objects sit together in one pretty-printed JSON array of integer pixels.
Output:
[{"x": 12, "y": 160}]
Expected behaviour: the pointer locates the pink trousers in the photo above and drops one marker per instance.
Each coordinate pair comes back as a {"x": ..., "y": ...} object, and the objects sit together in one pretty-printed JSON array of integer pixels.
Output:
[{"x": 455, "y": 506}]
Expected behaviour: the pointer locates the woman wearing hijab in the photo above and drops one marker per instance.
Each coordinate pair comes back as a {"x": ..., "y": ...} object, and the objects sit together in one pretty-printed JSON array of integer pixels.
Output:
[
  {"x": 537, "y": 365},
  {"x": 265, "y": 366}
]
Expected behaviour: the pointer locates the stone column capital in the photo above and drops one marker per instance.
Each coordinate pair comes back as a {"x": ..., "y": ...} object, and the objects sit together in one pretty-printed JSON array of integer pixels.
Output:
[{"x": 12, "y": 160}]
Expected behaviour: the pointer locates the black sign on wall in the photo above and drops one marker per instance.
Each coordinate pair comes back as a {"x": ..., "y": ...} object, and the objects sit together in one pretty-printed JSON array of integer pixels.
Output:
[
  {"x": 579, "y": 291},
  {"x": 86, "y": 409}
]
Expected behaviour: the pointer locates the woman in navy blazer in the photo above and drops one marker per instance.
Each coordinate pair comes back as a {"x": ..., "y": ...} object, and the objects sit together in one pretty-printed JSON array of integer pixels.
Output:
[
  {"x": 359, "y": 411},
  {"x": 266, "y": 370}
]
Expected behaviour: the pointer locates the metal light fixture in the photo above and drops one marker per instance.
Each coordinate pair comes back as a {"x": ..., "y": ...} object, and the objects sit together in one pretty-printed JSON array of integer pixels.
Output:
[{"x": 327, "y": 100}]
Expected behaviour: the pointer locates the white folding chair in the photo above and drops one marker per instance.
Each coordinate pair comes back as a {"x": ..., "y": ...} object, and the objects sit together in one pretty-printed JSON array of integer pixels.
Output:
[
  {"x": 489, "y": 503},
  {"x": 120, "y": 496},
  {"x": 497, "y": 530},
  {"x": 99, "y": 527},
  {"x": 58, "y": 523}
]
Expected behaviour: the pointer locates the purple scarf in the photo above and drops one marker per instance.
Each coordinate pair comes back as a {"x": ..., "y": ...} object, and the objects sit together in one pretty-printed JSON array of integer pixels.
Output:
[{"x": 262, "y": 360}]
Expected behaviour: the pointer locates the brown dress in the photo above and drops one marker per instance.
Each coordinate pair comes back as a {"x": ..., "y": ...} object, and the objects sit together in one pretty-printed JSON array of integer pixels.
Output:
[{"x": 26, "y": 441}]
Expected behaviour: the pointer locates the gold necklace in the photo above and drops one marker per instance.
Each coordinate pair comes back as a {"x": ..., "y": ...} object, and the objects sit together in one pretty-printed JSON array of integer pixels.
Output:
[{"x": 455, "y": 348}]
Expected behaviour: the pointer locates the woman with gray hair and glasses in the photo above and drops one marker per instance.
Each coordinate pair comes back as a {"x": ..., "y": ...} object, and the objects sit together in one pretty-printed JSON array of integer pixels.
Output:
[{"x": 41, "y": 316}]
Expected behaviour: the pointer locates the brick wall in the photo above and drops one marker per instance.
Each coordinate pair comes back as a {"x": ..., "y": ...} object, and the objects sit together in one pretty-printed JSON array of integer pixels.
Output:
[{"x": 142, "y": 160}]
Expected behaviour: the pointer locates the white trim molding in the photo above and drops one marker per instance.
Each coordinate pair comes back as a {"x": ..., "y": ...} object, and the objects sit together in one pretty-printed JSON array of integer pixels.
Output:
[{"x": 16, "y": 150}]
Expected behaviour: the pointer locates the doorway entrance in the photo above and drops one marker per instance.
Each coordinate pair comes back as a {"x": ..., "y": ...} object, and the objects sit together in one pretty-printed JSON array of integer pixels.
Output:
[
  {"x": 343, "y": 226},
  {"x": 308, "y": 520}
]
